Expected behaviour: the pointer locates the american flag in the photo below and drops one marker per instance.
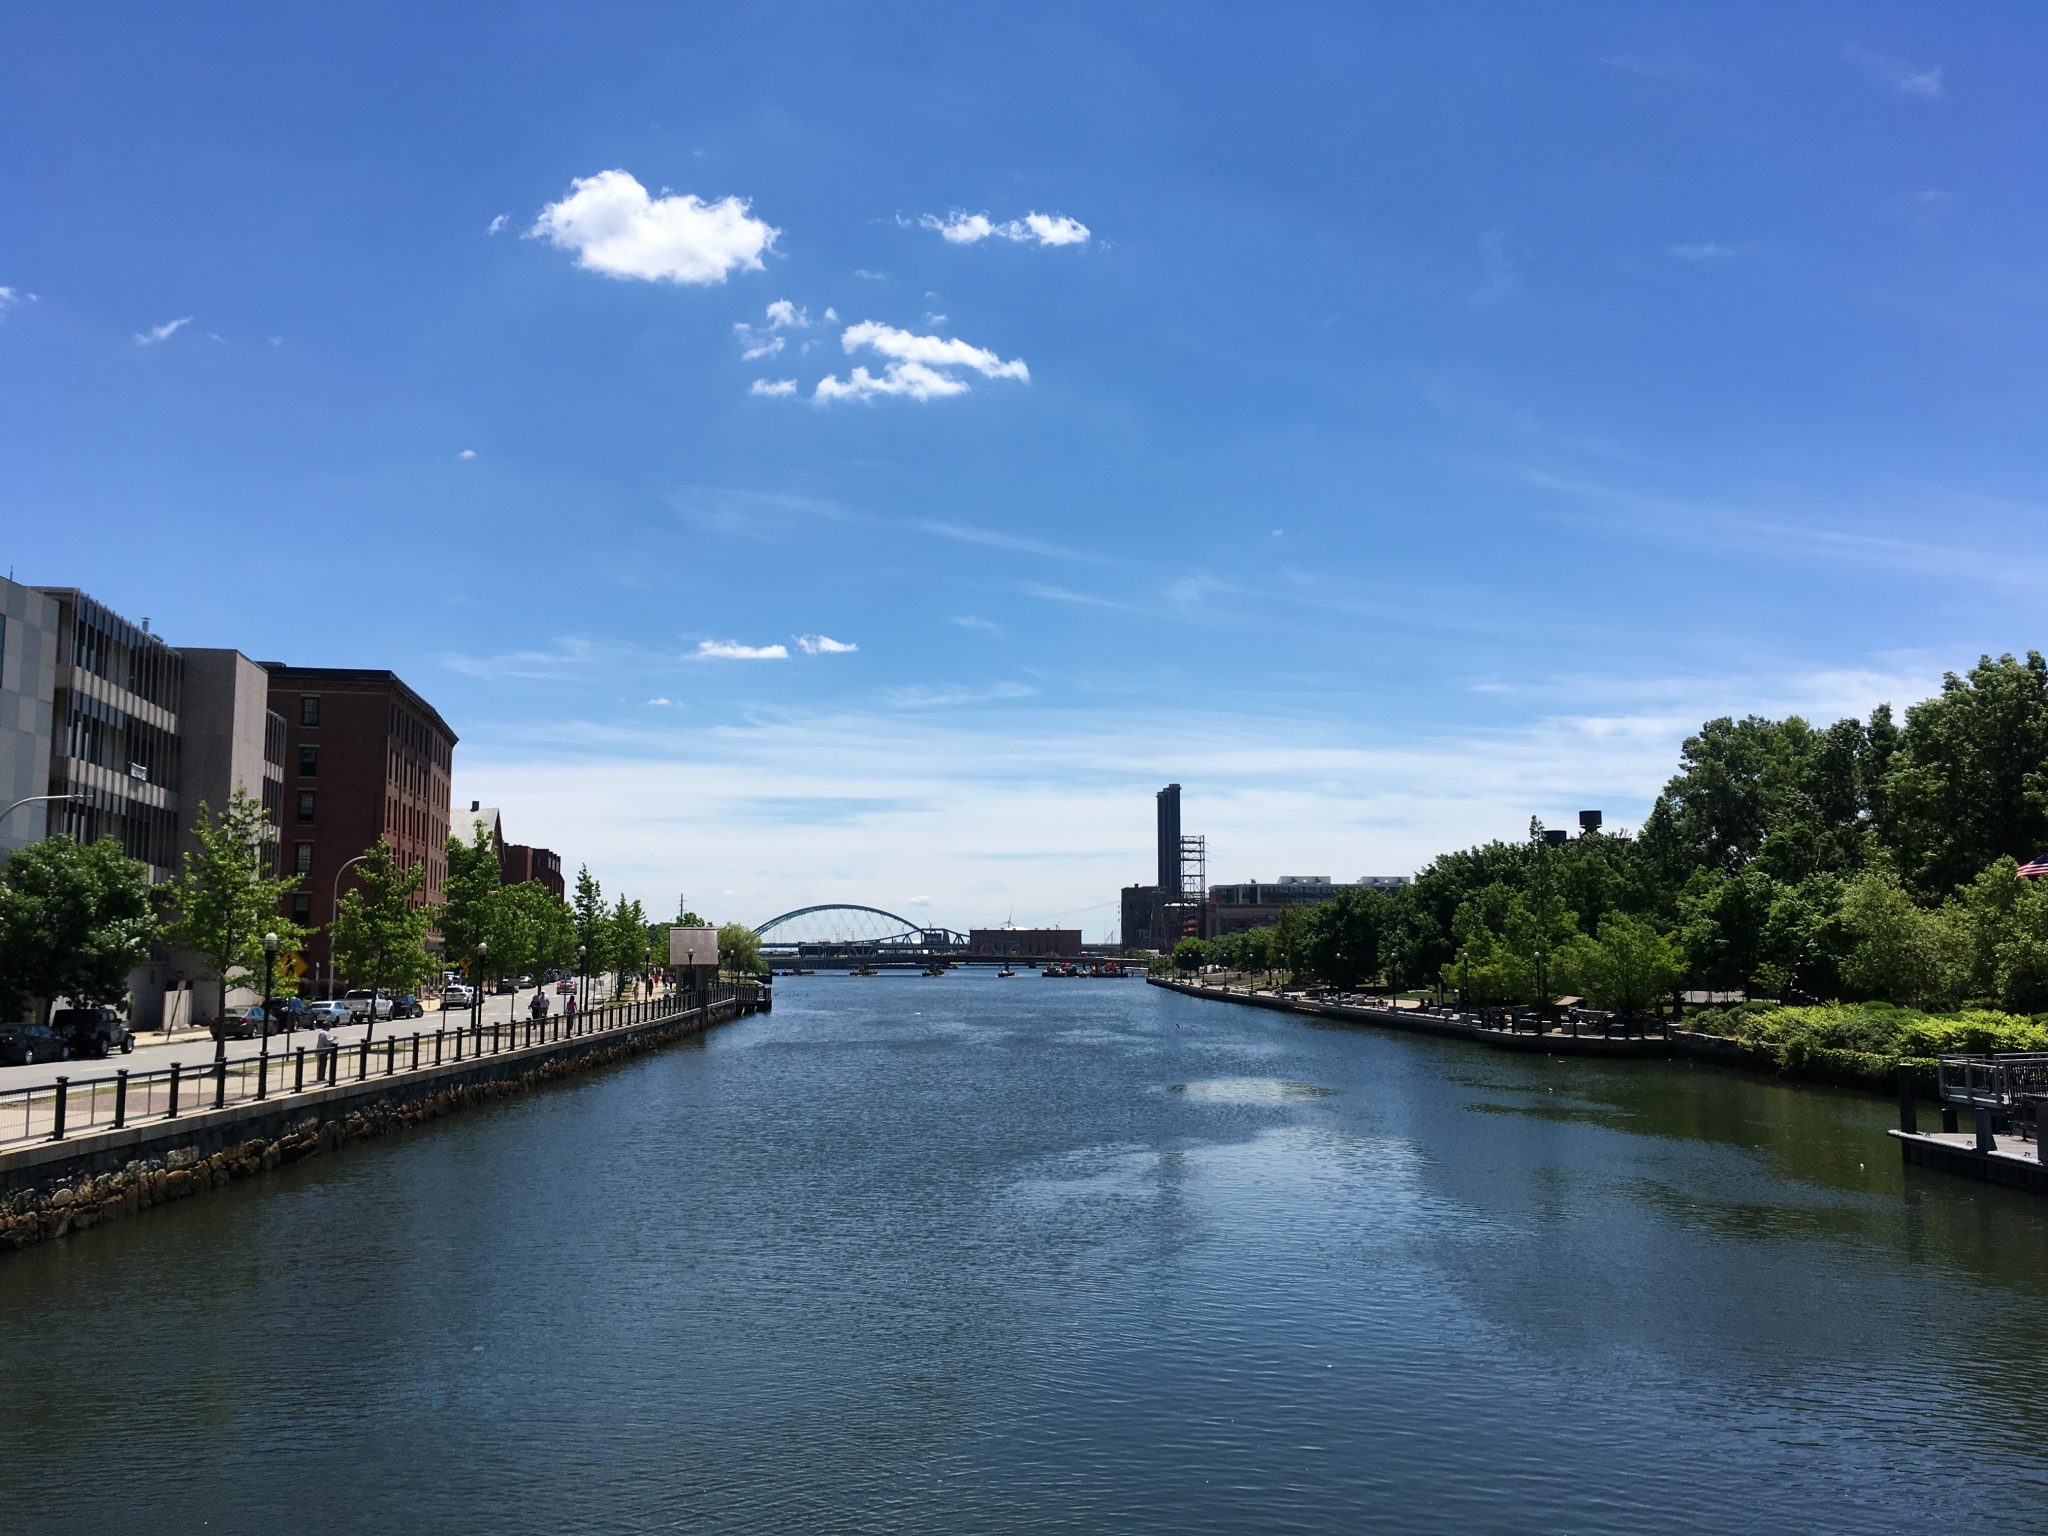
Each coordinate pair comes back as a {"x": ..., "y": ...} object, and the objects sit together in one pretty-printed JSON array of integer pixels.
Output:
[{"x": 2035, "y": 867}]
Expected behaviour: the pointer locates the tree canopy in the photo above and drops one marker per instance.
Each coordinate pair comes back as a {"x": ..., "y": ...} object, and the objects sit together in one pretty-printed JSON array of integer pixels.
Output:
[{"x": 75, "y": 918}]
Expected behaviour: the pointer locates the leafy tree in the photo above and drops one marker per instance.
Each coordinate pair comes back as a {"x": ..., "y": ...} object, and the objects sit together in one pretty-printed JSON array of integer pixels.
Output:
[
  {"x": 1626, "y": 967},
  {"x": 1290, "y": 941},
  {"x": 627, "y": 932},
  {"x": 380, "y": 932},
  {"x": 593, "y": 929},
  {"x": 470, "y": 911},
  {"x": 1345, "y": 935},
  {"x": 74, "y": 920},
  {"x": 1189, "y": 954},
  {"x": 2020, "y": 955},
  {"x": 739, "y": 950},
  {"x": 1968, "y": 781},
  {"x": 223, "y": 901},
  {"x": 1897, "y": 950}
]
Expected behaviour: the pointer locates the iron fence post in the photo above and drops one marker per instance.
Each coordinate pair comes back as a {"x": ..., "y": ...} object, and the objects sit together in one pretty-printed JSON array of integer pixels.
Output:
[
  {"x": 390, "y": 1055},
  {"x": 120, "y": 1098},
  {"x": 172, "y": 1112},
  {"x": 263, "y": 1072},
  {"x": 220, "y": 1083},
  {"x": 63, "y": 1092},
  {"x": 299, "y": 1072}
]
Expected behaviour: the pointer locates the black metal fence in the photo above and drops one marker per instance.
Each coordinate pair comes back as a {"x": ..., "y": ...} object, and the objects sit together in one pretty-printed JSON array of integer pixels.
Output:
[{"x": 67, "y": 1107}]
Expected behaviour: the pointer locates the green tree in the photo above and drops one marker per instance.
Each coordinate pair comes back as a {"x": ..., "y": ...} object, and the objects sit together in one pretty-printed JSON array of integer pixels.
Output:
[
  {"x": 1626, "y": 966},
  {"x": 1968, "y": 780},
  {"x": 593, "y": 930},
  {"x": 471, "y": 910},
  {"x": 380, "y": 932},
  {"x": 1345, "y": 935},
  {"x": 1898, "y": 952},
  {"x": 739, "y": 950},
  {"x": 1290, "y": 941},
  {"x": 74, "y": 920},
  {"x": 627, "y": 938},
  {"x": 1190, "y": 954},
  {"x": 2020, "y": 954},
  {"x": 224, "y": 901}
]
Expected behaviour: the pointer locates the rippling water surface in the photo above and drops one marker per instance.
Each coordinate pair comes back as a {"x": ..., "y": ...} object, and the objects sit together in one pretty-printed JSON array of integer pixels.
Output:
[{"x": 966, "y": 1254}]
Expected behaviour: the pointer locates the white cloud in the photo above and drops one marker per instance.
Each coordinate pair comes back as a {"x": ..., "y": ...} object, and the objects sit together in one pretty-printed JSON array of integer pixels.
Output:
[
  {"x": 732, "y": 650},
  {"x": 614, "y": 227},
  {"x": 774, "y": 389},
  {"x": 933, "y": 318},
  {"x": 971, "y": 621},
  {"x": 164, "y": 332},
  {"x": 870, "y": 277},
  {"x": 753, "y": 344},
  {"x": 824, "y": 645},
  {"x": 1034, "y": 228},
  {"x": 10, "y": 297},
  {"x": 1907, "y": 79},
  {"x": 661, "y": 703},
  {"x": 917, "y": 365},
  {"x": 917, "y": 901},
  {"x": 467, "y": 453},
  {"x": 277, "y": 341},
  {"x": 496, "y": 225},
  {"x": 785, "y": 316},
  {"x": 1704, "y": 251}
]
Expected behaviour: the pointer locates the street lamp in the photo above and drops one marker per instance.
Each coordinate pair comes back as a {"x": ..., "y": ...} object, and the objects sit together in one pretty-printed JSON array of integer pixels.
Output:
[
  {"x": 333, "y": 912},
  {"x": 476, "y": 992},
  {"x": 269, "y": 972},
  {"x": 582, "y": 962},
  {"x": 32, "y": 800}
]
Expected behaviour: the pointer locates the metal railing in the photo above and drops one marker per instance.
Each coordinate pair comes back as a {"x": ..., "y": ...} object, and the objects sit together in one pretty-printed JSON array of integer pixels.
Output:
[
  {"x": 68, "y": 1107},
  {"x": 2001, "y": 1082}
]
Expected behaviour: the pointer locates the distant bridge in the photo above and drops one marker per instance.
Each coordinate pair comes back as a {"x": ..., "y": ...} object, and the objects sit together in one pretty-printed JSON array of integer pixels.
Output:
[{"x": 846, "y": 932}]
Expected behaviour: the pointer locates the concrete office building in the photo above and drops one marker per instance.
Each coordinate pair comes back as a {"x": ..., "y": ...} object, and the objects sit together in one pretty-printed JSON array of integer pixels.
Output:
[
  {"x": 365, "y": 757},
  {"x": 28, "y": 689}
]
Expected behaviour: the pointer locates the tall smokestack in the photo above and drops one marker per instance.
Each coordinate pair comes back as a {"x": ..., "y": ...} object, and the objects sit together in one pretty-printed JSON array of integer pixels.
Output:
[{"x": 1169, "y": 841}]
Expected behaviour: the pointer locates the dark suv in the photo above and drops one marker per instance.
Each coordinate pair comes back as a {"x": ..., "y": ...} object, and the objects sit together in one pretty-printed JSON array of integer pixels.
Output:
[{"x": 93, "y": 1031}]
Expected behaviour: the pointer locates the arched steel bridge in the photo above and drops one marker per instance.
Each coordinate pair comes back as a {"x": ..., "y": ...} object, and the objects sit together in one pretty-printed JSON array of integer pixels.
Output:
[{"x": 847, "y": 930}]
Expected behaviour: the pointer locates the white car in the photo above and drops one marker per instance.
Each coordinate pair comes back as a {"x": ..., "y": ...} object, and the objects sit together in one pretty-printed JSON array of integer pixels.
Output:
[
  {"x": 459, "y": 995},
  {"x": 330, "y": 1013},
  {"x": 359, "y": 1005}
]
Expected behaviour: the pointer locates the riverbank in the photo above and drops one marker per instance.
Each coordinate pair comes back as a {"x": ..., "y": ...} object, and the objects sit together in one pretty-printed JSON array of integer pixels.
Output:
[
  {"x": 52, "y": 1188},
  {"x": 1661, "y": 1041}
]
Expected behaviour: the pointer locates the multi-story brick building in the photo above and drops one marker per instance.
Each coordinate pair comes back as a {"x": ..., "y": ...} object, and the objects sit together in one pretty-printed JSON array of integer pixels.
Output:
[
  {"x": 521, "y": 863},
  {"x": 365, "y": 757}
]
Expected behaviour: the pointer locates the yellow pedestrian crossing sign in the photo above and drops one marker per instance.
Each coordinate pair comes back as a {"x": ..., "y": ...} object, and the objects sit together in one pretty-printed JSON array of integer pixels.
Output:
[{"x": 296, "y": 967}]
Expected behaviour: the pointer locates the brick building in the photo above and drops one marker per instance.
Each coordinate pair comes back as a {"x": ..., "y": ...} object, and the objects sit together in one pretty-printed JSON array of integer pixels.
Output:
[
  {"x": 520, "y": 863},
  {"x": 365, "y": 757}
]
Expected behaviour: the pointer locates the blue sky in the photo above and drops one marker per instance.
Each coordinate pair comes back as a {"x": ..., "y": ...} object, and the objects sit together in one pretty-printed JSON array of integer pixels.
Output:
[{"x": 1389, "y": 422}]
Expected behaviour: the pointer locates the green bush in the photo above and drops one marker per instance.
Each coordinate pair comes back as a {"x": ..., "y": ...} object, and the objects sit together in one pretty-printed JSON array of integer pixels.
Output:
[{"x": 1869, "y": 1040}]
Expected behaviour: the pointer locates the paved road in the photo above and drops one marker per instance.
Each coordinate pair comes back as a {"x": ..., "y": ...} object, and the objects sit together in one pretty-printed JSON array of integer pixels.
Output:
[{"x": 195, "y": 1046}]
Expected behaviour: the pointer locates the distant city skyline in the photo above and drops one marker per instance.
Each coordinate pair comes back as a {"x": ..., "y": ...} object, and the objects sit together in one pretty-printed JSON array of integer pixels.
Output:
[{"x": 829, "y": 455}]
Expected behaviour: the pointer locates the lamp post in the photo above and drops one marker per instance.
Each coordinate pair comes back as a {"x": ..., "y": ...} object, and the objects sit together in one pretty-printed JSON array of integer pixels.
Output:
[
  {"x": 582, "y": 961},
  {"x": 32, "y": 800},
  {"x": 269, "y": 973},
  {"x": 476, "y": 992},
  {"x": 1542, "y": 995},
  {"x": 333, "y": 912}
]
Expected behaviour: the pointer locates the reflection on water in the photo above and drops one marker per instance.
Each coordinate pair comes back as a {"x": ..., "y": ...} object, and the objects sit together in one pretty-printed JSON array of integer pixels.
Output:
[{"x": 1027, "y": 1258}]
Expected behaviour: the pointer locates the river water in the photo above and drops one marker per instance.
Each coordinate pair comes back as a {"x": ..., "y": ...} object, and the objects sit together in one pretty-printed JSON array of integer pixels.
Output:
[{"x": 976, "y": 1255}]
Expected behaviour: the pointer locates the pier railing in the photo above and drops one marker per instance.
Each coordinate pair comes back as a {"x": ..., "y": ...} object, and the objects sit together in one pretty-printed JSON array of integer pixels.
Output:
[
  {"x": 72, "y": 1107},
  {"x": 1999, "y": 1082}
]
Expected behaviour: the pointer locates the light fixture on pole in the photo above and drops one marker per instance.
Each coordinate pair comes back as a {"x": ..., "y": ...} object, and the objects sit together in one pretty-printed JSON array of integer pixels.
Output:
[
  {"x": 476, "y": 992},
  {"x": 269, "y": 974},
  {"x": 32, "y": 800},
  {"x": 333, "y": 913}
]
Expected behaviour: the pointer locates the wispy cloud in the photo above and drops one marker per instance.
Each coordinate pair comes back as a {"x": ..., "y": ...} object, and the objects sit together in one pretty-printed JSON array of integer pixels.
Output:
[
  {"x": 661, "y": 703},
  {"x": 774, "y": 389},
  {"x": 1500, "y": 276},
  {"x": 10, "y": 297},
  {"x": 921, "y": 696},
  {"x": 960, "y": 228},
  {"x": 164, "y": 332},
  {"x": 1703, "y": 251},
  {"x": 616, "y": 228},
  {"x": 496, "y": 224},
  {"x": 973, "y": 621},
  {"x": 732, "y": 650},
  {"x": 467, "y": 453},
  {"x": 870, "y": 277},
  {"x": 1906, "y": 79},
  {"x": 919, "y": 367},
  {"x": 824, "y": 645},
  {"x": 571, "y": 656}
]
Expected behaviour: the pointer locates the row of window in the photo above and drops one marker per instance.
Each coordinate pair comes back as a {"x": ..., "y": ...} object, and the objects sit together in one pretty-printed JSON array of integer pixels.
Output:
[{"x": 108, "y": 646}]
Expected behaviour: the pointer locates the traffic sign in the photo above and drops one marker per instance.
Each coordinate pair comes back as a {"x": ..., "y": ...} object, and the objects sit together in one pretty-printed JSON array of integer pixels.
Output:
[{"x": 296, "y": 967}]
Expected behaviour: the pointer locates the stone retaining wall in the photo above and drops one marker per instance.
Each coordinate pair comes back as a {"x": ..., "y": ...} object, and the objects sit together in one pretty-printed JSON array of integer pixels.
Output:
[{"x": 53, "y": 1189}]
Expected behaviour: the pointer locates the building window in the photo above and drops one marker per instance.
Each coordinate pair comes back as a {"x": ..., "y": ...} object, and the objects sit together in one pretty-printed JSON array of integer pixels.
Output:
[
  {"x": 309, "y": 709},
  {"x": 309, "y": 762},
  {"x": 305, "y": 807},
  {"x": 302, "y": 909},
  {"x": 303, "y": 859}
]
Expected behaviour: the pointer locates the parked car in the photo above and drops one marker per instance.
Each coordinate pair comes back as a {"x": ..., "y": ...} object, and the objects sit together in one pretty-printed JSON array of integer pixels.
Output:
[
  {"x": 459, "y": 995},
  {"x": 407, "y": 1006},
  {"x": 332, "y": 1013},
  {"x": 290, "y": 1013},
  {"x": 361, "y": 1005},
  {"x": 504, "y": 985},
  {"x": 239, "y": 1023},
  {"x": 93, "y": 1031},
  {"x": 23, "y": 1045}
]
